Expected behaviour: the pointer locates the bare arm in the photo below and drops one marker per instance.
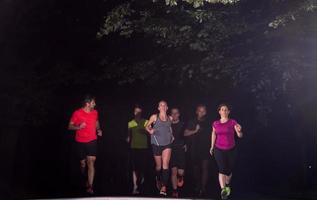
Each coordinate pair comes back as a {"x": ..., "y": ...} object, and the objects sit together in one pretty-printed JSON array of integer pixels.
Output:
[
  {"x": 238, "y": 130},
  {"x": 97, "y": 125},
  {"x": 129, "y": 135},
  {"x": 99, "y": 131},
  {"x": 213, "y": 140},
  {"x": 73, "y": 127},
  {"x": 148, "y": 127},
  {"x": 188, "y": 132}
]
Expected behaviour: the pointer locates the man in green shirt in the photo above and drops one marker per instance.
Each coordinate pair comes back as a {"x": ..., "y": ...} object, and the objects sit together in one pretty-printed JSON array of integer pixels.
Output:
[{"x": 138, "y": 140}]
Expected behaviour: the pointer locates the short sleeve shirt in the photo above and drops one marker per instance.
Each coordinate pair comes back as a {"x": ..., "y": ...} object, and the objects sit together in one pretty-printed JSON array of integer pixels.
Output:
[
  {"x": 225, "y": 134},
  {"x": 139, "y": 138},
  {"x": 88, "y": 133}
]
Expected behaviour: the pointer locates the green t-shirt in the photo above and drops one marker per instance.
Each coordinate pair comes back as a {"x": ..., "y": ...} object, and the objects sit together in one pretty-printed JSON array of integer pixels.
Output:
[{"x": 139, "y": 138}]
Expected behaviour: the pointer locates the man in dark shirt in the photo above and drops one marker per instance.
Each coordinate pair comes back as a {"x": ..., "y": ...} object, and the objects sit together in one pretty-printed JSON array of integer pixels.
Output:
[
  {"x": 198, "y": 133},
  {"x": 178, "y": 152}
]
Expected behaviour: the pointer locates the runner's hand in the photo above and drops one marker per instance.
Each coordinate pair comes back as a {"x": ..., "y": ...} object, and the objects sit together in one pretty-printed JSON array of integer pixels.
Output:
[
  {"x": 128, "y": 140},
  {"x": 82, "y": 125},
  {"x": 238, "y": 128},
  {"x": 99, "y": 132},
  {"x": 151, "y": 131},
  {"x": 197, "y": 128},
  {"x": 185, "y": 148},
  {"x": 211, "y": 151}
]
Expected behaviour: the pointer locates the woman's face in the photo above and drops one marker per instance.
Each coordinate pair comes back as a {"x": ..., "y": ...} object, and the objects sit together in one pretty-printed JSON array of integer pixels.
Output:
[
  {"x": 224, "y": 111},
  {"x": 162, "y": 107}
]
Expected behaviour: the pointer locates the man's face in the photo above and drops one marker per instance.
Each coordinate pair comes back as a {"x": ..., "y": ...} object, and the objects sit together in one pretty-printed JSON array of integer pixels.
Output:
[
  {"x": 175, "y": 114},
  {"x": 201, "y": 112},
  {"x": 91, "y": 105},
  {"x": 137, "y": 112}
]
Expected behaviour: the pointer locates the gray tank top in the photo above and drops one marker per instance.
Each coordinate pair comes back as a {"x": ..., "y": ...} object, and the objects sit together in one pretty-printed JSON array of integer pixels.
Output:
[{"x": 163, "y": 133}]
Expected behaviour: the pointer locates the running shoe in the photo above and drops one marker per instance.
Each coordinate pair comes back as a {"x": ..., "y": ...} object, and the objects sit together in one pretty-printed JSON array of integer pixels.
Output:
[
  {"x": 224, "y": 194},
  {"x": 135, "y": 191},
  {"x": 90, "y": 190},
  {"x": 180, "y": 181},
  {"x": 163, "y": 191},
  {"x": 175, "y": 194},
  {"x": 228, "y": 189}
]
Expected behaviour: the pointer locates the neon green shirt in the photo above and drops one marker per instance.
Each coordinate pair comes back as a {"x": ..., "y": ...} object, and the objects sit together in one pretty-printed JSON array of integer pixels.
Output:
[{"x": 139, "y": 138}]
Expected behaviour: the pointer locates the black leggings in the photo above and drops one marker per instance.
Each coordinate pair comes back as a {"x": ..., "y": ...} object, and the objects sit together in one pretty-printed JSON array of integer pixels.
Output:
[{"x": 225, "y": 160}]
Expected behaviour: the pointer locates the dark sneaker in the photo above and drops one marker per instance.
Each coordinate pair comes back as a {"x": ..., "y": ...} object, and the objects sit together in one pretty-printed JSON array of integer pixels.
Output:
[
  {"x": 180, "y": 181},
  {"x": 175, "y": 194},
  {"x": 202, "y": 193},
  {"x": 163, "y": 191},
  {"x": 90, "y": 190}
]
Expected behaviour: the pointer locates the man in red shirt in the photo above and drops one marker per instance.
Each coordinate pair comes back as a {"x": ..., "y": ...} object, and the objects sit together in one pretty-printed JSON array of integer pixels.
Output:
[{"x": 85, "y": 122}]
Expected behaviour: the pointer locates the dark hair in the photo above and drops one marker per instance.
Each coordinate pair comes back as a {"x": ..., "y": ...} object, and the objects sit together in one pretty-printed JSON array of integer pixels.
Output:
[
  {"x": 162, "y": 101},
  {"x": 222, "y": 105},
  {"x": 87, "y": 99},
  {"x": 138, "y": 106},
  {"x": 175, "y": 108},
  {"x": 201, "y": 106}
]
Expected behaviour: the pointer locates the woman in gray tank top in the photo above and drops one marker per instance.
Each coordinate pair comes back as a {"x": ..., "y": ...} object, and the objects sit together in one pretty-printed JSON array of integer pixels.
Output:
[{"x": 159, "y": 127}]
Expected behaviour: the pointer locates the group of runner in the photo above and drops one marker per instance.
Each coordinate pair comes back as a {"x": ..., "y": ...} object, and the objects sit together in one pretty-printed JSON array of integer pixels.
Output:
[{"x": 170, "y": 139}]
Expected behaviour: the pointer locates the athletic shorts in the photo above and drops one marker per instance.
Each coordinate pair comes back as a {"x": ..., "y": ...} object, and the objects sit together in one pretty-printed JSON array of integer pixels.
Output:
[
  {"x": 178, "y": 157},
  {"x": 139, "y": 159},
  {"x": 85, "y": 149},
  {"x": 225, "y": 160},
  {"x": 157, "y": 150}
]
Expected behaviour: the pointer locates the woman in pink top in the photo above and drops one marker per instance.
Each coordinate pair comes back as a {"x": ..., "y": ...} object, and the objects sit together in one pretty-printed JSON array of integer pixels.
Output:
[{"x": 222, "y": 147}]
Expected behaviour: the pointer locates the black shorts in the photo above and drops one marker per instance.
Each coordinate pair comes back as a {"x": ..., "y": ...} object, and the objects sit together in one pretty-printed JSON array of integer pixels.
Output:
[
  {"x": 178, "y": 157},
  {"x": 225, "y": 160},
  {"x": 139, "y": 159},
  {"x": 157, "y": 150},
  {"x": 85, "y": 149}
]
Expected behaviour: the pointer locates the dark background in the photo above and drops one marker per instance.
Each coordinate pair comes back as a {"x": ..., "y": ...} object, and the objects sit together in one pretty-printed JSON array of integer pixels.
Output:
[{"x": 49, "y": 61}]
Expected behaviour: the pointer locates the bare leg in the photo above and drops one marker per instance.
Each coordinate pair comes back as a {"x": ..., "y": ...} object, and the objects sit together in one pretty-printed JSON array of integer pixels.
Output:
[
  {"x": 228, "y": 179},
  {"x": 166, "y": 157},
  {"x": 222, "y": 180},
  {"x": 174, "y": 178},
  {"x": 158, "y": 163},
  {"x": 135, "y": 179},
  {"x": 91, "y": 169},
  {"x": 83, "y": 166}
]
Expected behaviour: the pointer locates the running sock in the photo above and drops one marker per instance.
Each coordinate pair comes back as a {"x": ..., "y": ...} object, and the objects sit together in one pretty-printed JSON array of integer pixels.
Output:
[{"x": 165, "y": 176}]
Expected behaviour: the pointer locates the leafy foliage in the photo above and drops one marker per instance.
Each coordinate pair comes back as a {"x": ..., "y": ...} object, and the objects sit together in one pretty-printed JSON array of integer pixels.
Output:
[{"x": 205, "y": 44}]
